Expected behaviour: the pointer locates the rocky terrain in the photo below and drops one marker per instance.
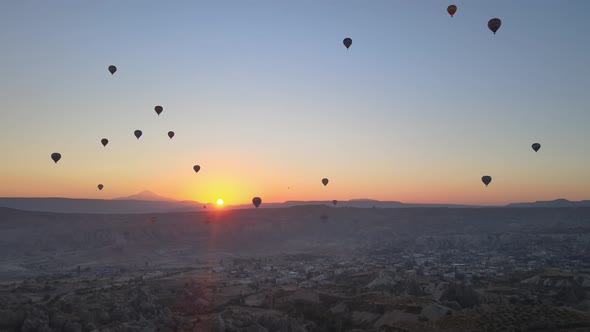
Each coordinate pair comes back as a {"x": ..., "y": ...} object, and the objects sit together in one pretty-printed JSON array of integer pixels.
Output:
[
  {"x": 197, "y": 300},
  {"x": 297, "y": 269}
]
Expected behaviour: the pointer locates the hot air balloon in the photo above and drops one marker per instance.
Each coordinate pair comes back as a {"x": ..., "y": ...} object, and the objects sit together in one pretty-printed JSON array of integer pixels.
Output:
[
  {"x": 334, "y": 202},
  {"x": 104, "y": 141},
  {"x": 452, "y": 9},
  {"x": 325, "y": 181},
  {"x": 536, "y": 146},
  {"x": 486, "y": 179},
  {"x": 256, "y": 201},
  {"x": 347, "y": 42},
  {"x": 100, "y": 186},
  {"x": 197, "y": 168},
  {"x": 158, "y": 109},
  {"x": 137, "y": 133},
  {"x": 204, "y": 206},
  {"x": 56, "y": 157},
  {"x": 112, "y": 69},
  {"x": 494, "y": 24},
  {"x": 170, "y": 134}
]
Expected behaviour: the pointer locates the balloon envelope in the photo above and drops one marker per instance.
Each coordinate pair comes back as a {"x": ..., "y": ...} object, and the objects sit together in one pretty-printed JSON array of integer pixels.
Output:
[
  {"x": 347, "y": 42},
  {"x": 452, "y": 9},
  {"x": 112, "y": 69},
  {"x": 197, "y": 168},
  {"x": 325, "y": 181},
  {"x": 256, "y": 201},
  {"x": 100, "y": 186},
  {"x": 494, "y": 24},
  {"x": 334, "y": 202},
  {"x": 137, "y": 133},
  {"x": 56, "y": 157},
  {"x": 158, "y": 109},
  {"x": 536, "y": 146},
  {"x": 104, "y": 141},
  {"x": 486, "y": 179},
  {"x": 170, "y": 134}
]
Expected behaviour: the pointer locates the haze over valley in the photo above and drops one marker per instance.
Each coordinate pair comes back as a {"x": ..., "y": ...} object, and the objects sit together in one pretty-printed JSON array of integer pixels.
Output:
[{"x": 301, "y": 268}]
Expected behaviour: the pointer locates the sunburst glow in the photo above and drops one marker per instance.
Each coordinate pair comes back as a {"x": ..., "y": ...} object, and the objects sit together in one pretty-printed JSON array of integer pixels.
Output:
[{"x": 220, "y": 202}]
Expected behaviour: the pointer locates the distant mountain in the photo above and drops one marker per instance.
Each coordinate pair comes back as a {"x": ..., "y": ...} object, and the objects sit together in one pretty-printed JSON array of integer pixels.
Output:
[
  {"x": 146, "y": 195},
  {"x": 553, "y": 204},
  {"x": 354, "y": 203},
  {"x": 148, "y": 202},
  {"x": 98, "y": 206}
]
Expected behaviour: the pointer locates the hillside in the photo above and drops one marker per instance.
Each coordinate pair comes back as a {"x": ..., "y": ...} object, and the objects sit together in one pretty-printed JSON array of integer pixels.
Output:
[
  {"x": 101, "y": 206},
  {"x": 555, "y": 203},
  {"x": 145, "y": 195},
  {"x": 148, "y": 202},
  {"x": 256, "y": 230}
]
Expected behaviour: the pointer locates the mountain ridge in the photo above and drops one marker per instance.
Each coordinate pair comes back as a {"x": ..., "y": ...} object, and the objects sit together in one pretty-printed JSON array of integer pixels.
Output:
[
  {"x": 146, "y": 195},
  {"x": 124, "y": 205},
  {"x": 559, "y": 202}
]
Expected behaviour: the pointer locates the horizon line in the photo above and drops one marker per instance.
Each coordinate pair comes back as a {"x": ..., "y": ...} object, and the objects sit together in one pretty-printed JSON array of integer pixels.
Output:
[{"x": 170, "y": 200}]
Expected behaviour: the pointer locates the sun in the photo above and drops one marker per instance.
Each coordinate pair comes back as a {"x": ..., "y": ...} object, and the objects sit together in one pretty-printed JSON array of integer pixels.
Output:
[{"x": 220, "y": 202}]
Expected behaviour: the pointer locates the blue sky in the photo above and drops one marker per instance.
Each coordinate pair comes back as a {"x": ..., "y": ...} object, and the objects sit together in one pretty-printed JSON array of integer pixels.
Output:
[{"x": 264, "y": 94}]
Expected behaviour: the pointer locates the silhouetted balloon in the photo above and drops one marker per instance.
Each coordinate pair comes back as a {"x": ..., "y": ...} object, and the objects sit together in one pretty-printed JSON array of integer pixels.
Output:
[
  {"x": 256, "y": 201},
  {"x": 100, "y": 186},
  {"x": 197, "y": 168},
  {"x": 137, "y": 133},
  {"x": 170, "y": 134},
  {"x": 486, "y": 179},
  {"x": 325, "y": 181},
  {"x": 347, "y": 42},
  {"x": 112, "y": 69},
  {"x": 536, "y": 146},
  {"x": 494, "y": 24},
  {"x": 56, "y": 157},
  {"x": 452, "y": 9},
  {"x": 104, "y": 141},
  {"x": 158, "y": 109},
  {"x": 204, "y": 206},
  {"x": 334, "y": 202}
]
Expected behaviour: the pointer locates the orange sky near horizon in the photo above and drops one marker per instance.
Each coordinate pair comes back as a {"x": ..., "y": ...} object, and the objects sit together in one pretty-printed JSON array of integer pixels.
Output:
[
  {"x": 207, "y": 186},
  {"x": 236, "y": 175}
]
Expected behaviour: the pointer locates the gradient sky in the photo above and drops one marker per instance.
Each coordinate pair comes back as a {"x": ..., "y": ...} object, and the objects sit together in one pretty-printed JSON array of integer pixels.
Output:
[{"x": 264, "y": 96}]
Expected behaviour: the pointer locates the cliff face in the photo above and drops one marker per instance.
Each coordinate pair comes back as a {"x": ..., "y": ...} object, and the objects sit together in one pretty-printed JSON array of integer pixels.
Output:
[
  {"x": 563, "y": 287},
  {"x": 464, "y": 294},
  {"x": 383, "y": 280}
]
